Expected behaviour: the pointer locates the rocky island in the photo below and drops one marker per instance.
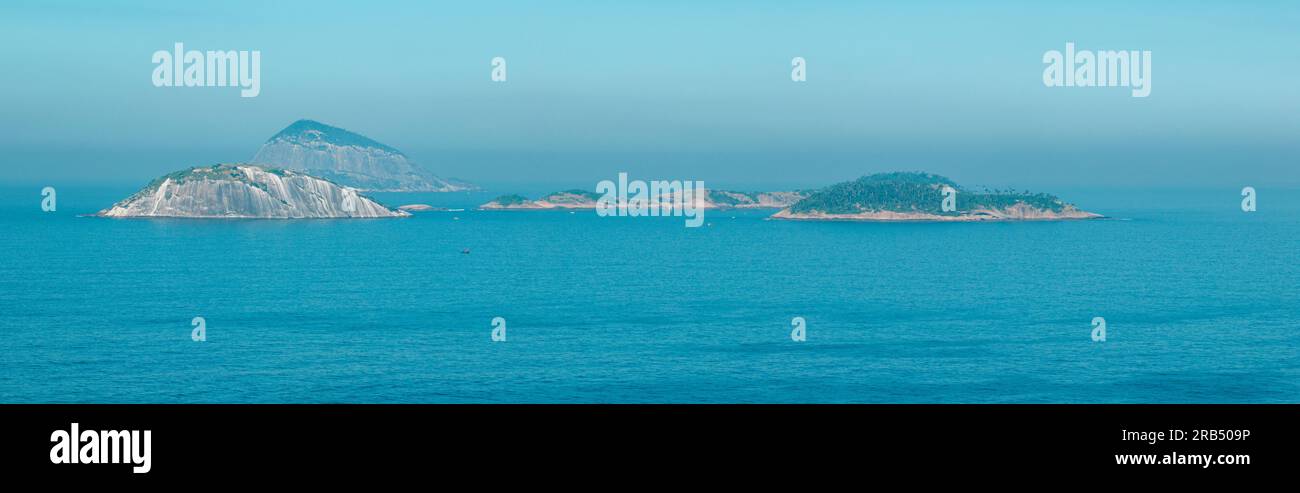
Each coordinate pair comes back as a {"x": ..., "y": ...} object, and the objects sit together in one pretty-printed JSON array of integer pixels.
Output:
[
  {"x": 727, "y": 199},
  {"x": 246, "y": 191},
  {"x": 914, "y": 196},
  {"x": 349, "y": 159},
  {"x": 568, "y": 199},
  {"x": 711, "y": 199},
  {"x": 419, "y": 208}
]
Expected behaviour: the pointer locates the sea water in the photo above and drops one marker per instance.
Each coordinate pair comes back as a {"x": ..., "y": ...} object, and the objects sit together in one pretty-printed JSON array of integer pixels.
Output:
[{"x": 1201, "y": 303}]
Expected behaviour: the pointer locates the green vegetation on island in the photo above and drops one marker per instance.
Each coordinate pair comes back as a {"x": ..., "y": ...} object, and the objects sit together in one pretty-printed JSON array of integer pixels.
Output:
[
  {"x": 510, "y": 199},
  {"x": 915, "y": 192}
]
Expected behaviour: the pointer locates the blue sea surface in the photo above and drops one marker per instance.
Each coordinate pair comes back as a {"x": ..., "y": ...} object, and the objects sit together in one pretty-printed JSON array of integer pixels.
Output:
[{"x": 1201, "y": 302}]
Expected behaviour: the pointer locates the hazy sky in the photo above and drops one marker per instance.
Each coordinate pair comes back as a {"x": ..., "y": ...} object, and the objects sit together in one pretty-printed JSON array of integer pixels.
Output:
[{"x": 667, "y": 89}]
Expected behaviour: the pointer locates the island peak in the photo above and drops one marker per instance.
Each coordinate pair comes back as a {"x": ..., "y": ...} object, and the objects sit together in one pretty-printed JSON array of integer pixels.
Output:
[{"x": 350, "y": 159}]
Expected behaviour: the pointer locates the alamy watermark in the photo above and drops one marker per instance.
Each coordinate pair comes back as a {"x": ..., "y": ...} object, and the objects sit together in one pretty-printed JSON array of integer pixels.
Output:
[
  {"x": 949, "y": 203},
  {"x": 194, "y": 68},
  {"x": 638, "y": 198},
  {"x": 200, "y": 332},
  {"x": 73, "y": 446},
  {"x": 1098, "y": 329},
  {"x": 49, "y": 199},
  {"x": 1248, "y": 197},
  {"x": 1084, "y": 68},
  {"x": 498, "y": 329},
  {"x": 498, "y": 69}
]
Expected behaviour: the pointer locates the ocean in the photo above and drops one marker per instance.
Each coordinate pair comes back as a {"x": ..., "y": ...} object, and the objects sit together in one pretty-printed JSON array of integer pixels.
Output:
[{"x": 1201, "y": 304}]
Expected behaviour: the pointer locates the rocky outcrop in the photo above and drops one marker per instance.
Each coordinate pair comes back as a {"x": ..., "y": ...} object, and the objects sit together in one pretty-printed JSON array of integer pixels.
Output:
[
  {"x": 246, "y": 191},
  {"x": 711, "y": 199},
  {"x": 726, "y": 199}
]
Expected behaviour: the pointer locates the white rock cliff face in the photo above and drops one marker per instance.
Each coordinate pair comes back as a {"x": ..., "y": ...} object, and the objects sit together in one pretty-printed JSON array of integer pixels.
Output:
[
  {"x": 349, "y": 159},
  {"x": 244, "y": 191}
]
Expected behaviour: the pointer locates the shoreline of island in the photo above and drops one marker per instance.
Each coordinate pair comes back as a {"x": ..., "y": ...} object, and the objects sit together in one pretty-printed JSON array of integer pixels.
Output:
[{"x": 905, "y": 217}]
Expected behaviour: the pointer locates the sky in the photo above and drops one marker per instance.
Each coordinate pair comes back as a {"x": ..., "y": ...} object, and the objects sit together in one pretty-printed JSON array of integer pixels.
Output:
[{"x": 666, "y": 90}]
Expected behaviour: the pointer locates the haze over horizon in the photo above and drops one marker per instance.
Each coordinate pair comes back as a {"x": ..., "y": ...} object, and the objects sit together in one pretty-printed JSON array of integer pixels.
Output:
[{"x": 672, "y": 90}]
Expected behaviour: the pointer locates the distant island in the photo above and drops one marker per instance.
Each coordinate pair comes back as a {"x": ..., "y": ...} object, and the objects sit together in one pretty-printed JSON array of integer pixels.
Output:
[
  {"x": 710, "y": 199},
  {"x": 895, "y": 196},
  {"x": 251, "y": 191},
  {"x": 419, "y": 208},
  {"x": 349, "y": 159},
  {"x": 246, "y": 191},
  {"x": 916, "y": 196},
  {"x": 568, "y": 199}
]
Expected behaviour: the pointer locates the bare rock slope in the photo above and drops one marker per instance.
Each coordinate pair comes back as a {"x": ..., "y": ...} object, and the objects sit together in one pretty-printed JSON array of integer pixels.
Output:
[
  {"x": 246, "y": 191},
  {"x": 349, "y": 159}
]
